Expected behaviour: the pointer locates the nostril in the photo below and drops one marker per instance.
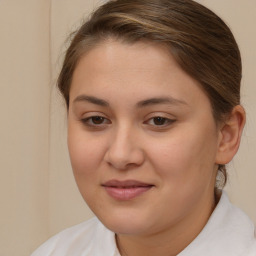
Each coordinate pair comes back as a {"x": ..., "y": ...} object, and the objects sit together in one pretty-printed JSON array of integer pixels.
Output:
[
  {"x": 123, "y": 160},
  {"x": 124, "y": 151}
]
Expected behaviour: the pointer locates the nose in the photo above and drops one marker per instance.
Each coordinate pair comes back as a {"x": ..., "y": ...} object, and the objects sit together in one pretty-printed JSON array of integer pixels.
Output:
[{"x": 124, "y": 150}]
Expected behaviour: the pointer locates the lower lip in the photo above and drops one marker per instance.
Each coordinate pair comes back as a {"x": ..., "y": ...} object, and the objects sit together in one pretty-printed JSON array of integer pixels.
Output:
[{"x": 125, "y": 194}]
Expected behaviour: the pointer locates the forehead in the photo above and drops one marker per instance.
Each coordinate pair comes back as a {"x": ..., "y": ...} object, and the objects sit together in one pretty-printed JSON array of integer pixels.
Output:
[
  {"x": 139, "y": 70},
  {"x": 114, "y": 54}
]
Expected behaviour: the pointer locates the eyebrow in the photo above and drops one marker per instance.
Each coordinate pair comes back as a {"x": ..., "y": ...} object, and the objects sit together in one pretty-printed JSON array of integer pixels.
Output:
[
  {"x": 140, "y": 104},
  {"x": 160, "y": 100},
  {"x": 91, "y": 99}
]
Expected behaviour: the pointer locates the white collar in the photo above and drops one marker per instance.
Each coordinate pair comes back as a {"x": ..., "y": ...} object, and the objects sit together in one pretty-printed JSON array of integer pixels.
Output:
[{"x": 229, "y": 231}]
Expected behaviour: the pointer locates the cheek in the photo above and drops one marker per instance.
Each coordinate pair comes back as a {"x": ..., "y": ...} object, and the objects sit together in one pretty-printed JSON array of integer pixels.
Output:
[
  {"x": 185, "y": 154},
  {"x": 85, "y": 152},
  {"x": 85, "y": 156}
]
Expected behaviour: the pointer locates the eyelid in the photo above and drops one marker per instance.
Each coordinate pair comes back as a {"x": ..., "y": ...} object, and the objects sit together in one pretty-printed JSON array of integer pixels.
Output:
[
  {"x": 87, "y": 120},
  {"x": 91, "y": 117},
  {"x": 90, "y": 114},
  {"x": 159, "y": 114},
  {"x": 169, "y": 120}
]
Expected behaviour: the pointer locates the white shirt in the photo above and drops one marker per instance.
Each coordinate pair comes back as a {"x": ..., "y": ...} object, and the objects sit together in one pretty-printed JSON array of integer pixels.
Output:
[{"x": 228, "y": 232}]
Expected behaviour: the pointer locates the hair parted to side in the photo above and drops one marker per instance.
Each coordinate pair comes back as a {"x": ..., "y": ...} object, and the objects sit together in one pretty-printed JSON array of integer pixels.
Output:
[{"x": 201, "y": 43}]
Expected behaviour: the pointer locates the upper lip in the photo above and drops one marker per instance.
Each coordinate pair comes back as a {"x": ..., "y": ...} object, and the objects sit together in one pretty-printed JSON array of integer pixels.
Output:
[{"x": 125, "y": 184}]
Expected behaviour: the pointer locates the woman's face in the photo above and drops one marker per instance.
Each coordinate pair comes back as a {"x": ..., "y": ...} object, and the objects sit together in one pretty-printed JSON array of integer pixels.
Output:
[{"x": 142, "y": 139}]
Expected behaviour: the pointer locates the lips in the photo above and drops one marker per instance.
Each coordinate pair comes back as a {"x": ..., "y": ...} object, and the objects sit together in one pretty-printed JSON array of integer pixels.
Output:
[{"x": 126, "y": 190}]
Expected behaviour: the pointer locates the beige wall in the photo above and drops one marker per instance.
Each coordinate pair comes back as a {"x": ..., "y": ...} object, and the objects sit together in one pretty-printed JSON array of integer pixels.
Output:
[
  {"x": 38, "y": 194},
  {"x": 24, "y": 115}
]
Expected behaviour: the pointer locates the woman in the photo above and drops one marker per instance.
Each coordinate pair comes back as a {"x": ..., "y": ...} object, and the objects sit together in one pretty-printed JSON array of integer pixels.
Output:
[{"x": 152, "y": 89}]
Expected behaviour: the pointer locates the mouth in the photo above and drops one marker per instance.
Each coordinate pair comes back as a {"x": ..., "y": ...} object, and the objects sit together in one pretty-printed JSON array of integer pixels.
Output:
[{"x": 126, "y": 190}]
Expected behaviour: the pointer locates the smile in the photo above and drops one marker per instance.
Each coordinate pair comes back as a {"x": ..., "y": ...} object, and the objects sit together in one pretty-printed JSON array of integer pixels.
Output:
[{"x": 126, "y": 190}]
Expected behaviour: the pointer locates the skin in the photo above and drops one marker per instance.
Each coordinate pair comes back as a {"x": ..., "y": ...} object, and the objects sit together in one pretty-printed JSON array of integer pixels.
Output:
[{"x": 177, "y": 154}]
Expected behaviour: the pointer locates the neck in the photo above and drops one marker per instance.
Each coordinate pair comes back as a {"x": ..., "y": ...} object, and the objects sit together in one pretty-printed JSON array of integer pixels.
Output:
[{"x": 168, "y": 242}]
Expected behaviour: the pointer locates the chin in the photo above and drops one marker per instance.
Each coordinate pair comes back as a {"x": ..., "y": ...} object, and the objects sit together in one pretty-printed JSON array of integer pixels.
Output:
[
  {"x": 127, "y": 228},
  {"x": 126, "y": 223}
]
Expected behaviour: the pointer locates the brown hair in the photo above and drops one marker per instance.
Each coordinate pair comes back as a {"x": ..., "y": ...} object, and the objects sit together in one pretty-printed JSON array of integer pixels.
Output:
[{"x": 201, "y": 43}]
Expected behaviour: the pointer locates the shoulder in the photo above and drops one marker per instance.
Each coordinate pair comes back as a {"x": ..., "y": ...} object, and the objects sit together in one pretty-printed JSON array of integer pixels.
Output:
[
  {"x": 252, "y": 249},
  {"x": 79, "y": 240},
  {"x": 229, "y": 231}
]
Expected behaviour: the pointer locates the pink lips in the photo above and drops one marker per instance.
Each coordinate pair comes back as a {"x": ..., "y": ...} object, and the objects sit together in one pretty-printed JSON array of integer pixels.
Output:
[{"x": 126, "y": 190}]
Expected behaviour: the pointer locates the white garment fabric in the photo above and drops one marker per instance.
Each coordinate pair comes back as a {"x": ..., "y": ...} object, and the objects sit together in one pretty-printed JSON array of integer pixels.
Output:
[{"x": 228, "y": 232}]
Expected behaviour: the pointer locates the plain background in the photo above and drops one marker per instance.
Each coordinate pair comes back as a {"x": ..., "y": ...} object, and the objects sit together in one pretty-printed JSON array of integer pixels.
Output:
[{"x": 38, "y": 195}]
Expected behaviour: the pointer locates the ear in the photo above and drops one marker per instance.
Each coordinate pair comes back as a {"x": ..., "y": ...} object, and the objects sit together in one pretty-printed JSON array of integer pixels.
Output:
[{"x": 230, "y": 135}]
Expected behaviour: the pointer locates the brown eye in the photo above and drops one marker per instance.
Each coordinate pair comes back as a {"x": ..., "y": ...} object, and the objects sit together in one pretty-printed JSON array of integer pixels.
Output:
[
  {"x": 97, "y": 119},
  {"x": 159, "y": 120}
]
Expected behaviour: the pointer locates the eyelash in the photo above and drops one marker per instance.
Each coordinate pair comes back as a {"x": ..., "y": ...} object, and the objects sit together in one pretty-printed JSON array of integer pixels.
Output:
[
  {"x": 89, "y": 121},
  {"x": 164, "y": 122}
]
